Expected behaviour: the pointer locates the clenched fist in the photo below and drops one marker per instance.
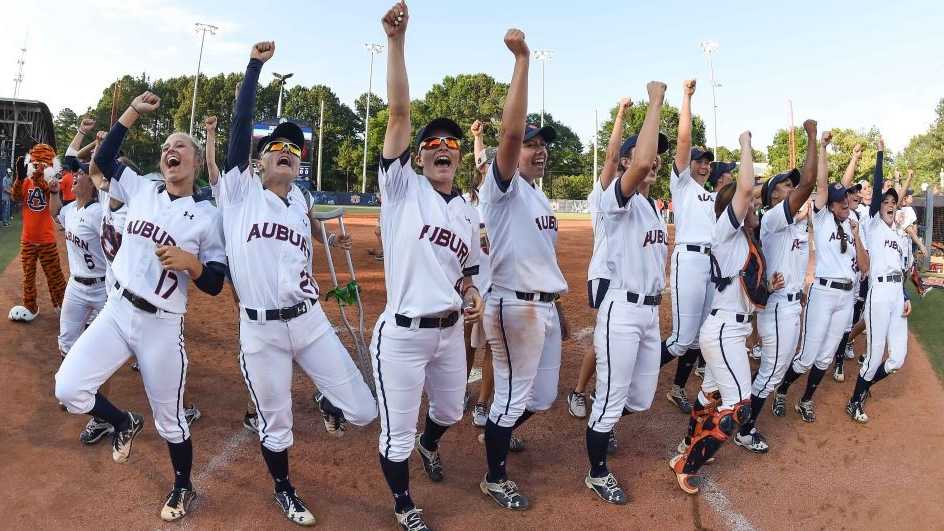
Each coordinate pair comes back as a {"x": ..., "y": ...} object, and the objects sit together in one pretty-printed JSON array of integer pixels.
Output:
[
  {"x": 656, "y": 89},
  {"x": 857, "y": 151},
  {"x": 145, "y": 102},
  {"x": 514, "y": 40},
  {"x": 625, "y": 103},
  {"x": 86, "y": 126},
  {"x": 881, "y": 144},
  {"x": 827, "y": 138},
  {"x": 810, "y": 127},
  {"x": 688, "y": 87},
  {"x": 262, "y": 51},
  {"x": 395, "y": 20},
  {"x": 210, "y": 123},
  {"x": 477, "y": 128},
  {"x": 745, "y": 139}
]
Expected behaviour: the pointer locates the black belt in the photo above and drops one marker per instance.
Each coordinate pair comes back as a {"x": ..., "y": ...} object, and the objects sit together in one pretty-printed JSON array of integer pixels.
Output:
[
  {"x": 136, "y": 301},
  {"x": 845, "y": 286},
  {"x": 428, "y": 322},
  {"x": 283, "y": 314},
  {"x": 648, "y": 300},
  {"x": 890, "y": 278},
  {"x": 794, "y": 296},
  {"x": 89, "y": 281},
  {"x": 543, "y": 297},
  {"x": 739, "y": 317},
  {"x": 703, "y": 249}
]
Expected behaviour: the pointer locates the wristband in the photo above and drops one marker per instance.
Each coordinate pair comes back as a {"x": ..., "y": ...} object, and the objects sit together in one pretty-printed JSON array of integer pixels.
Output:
[
  {"x": 466, "y": 290},
  {"x": 135, "y": 109}
]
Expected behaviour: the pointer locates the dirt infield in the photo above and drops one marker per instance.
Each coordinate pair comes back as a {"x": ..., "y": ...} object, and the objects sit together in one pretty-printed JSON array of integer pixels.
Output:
[{"x": 832, "y": 474}]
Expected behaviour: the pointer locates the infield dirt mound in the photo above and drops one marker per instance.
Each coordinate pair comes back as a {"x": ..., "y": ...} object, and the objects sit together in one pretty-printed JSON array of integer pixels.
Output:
[{"x": 833, "y": 474}]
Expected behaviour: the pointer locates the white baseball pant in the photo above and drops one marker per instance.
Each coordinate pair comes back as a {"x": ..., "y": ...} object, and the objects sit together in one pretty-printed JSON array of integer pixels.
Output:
[
  {"x": 120, "y": 331},
  {"x": 525, "y": 338},
  {"x": 884, "y": 326},
  {"x": 690, "y": 282},
  {"x": 723, "y": 343},
  {"x": 267, "y": 350},
  {"x": 627, "y": 345},
  {"x": 80, "y": 305},
  {"x": 406, "y": 362},
  {"x": 828, "y": 311},
  {"x": 779, "y": 327}
]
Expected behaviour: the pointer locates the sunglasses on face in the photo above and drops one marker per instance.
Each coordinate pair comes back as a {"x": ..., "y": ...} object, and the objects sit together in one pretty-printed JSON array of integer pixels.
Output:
[
  {"x": 435, "y": 142},
  {"x": 279, "y": 146}
]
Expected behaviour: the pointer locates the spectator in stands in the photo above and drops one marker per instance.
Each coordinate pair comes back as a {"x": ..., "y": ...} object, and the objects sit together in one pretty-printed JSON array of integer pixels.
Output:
[{"x": 6, "y": 198}]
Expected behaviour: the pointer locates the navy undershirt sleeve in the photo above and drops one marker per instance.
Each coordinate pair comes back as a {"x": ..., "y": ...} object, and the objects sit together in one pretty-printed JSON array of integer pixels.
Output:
[
  {"x": 106, "y": 157},
  {"x": 878, "y": 181},
  {"x": 211, "y": 280},
  {"x": 240, "y": 138}
]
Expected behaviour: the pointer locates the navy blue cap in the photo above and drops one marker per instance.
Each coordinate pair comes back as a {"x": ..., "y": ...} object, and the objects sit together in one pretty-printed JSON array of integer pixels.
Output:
[
  {"x": 892, "y": 192},
  {"x": 73, "y": 164},
  {"x": 837, "y": 193},
  {"x": 438, "y": 124},
  {"x": 630, "y": 143},
  {"x": 288, "y": 130},
  {"x": 720, "y": 168},
  {"x": 768, "y": 187},
  {"x": 548, "y": 133},
  {"x": 854, "y": 189},
  {"x": 699, "y": 153}
]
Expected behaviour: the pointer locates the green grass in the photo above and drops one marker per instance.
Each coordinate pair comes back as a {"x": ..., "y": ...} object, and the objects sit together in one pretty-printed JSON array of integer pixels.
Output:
[
  {"x": 925, "y": 324},
  {"x": 9, "y": 242}
]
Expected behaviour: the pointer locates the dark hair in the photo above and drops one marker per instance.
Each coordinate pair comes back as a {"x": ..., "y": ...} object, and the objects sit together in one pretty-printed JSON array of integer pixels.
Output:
[{"x": 724, "y": 197}]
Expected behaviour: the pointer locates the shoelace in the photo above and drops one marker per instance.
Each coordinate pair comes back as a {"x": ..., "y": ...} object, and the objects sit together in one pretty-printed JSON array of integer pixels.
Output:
[
  {"x": 580, "y": 399},
  {"x": 175, "y": 496},
  {"x": 611, "y": 482},
  {"x": 295, "y": 504},
  {"x": 509, "y": 489},
  {"x": 683, "y": 398},
  {"x": 414, "y": 520}
]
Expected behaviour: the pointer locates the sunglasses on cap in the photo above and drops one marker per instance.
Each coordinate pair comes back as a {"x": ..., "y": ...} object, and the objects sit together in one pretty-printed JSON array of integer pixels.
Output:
[
  {"x": 435, "y": 142},
  {"x": 281, "y": 145}
]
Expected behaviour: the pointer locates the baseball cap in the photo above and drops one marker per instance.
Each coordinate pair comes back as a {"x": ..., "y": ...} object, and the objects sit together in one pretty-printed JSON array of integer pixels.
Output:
[
  {"x": 699, "y": 153},
  {"x": 892, "y": 192},
  {"x": 73, "y": 164},
  {"x": 854, "y": 189},
  {"x": 438, "y": 124},
  {"x": 548, "y": 133},
  {"x": 288, "y": 130},
  {"x": 908, "y": 192},
  {"x": 768, "y": 187},
  {"x": 486, "y": 156},
  {"x": 720, "y": 168},
  {"x": 837, "y": 192},
  {"x": 630, "y": 143}
]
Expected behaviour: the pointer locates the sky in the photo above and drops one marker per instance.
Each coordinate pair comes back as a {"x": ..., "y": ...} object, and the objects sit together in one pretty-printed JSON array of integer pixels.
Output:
[{"x": 851, "y": 65}]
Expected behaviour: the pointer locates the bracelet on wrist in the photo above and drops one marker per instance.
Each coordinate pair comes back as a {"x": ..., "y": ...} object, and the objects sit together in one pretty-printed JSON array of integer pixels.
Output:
[
  {"x": 466, "y": 290},
  {"x": 135, "y": 109}
]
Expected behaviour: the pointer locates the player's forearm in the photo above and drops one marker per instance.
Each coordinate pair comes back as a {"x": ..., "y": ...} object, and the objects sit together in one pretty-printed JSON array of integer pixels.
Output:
[
  {"x": 397, "y": 137},
  {"x": 808, "y": 173},
  {"x": 240, "y": 133},
  {"x": 611, "y": 160},
  {"x": 862, "y": 257},
  {"x": 76, "y": 143},
  {"x": 745, "y": 183},
  {"x": 647, "y": 144},
  {"x": 213, "y": 171},
  {"x": 822, "y": 177},
  {"x": 683, "y": 147},
  {"x": 849, "y": 174},
  {"x": 514, "y": 115},
  {"x": 478, "y": 144},
  {"x": 107, "y": 153}
]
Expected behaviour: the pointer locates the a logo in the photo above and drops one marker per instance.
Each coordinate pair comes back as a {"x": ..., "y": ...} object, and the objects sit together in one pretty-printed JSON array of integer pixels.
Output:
[
  {"x": 188, "y": 215},
  {"x": 546, "y": 223},
  {"x": 448, "y": 239},
  {"x": 654, "y": 237},
  {"x": 36, "y": 200},
  {"x": 705, "y": 197}
]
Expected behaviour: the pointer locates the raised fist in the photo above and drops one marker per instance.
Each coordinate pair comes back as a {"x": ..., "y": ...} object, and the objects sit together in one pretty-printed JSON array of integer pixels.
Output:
[
  {"x": 810, "y": 127},
  {"x": 881, "y": 144},
  {"x": 625, "y": 103},
  {"x": 99, "y": 136},
  {"x": 745, "y": 139},
  {"x": 395, "y": 20},
  {"x": 514, "y": 40},
  {"x": 86, "y": 125},
  {"x": 827, "y": 137},
  {"x": 477, "y": 128},
  {"x": 262, "y": 51},
  {"x": 688, "y": 87},
  {"x": 145, "y": 102},
  {"x": 857, "y": 151},
  {"x": 210, "y": 123},
  {"x": 656, "y": 89}
]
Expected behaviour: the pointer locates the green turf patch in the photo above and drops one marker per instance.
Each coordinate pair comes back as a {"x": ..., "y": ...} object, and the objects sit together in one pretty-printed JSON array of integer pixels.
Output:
[
  {"x": 925, "y": 324},
  {"x": 10, "y": 241}
]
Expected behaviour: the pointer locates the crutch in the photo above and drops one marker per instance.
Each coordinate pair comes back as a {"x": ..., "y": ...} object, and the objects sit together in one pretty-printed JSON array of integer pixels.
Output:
[{"x": 348, "y": 294}]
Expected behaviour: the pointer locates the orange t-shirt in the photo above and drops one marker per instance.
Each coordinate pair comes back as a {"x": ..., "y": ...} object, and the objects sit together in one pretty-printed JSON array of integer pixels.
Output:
[
  {"x": 37, "y": 219},
  {"x": 65, "y": 187}
]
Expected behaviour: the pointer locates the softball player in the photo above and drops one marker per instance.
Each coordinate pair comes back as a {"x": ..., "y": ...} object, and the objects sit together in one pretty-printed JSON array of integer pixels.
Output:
[
  {"x": 170, "y": 241},
  {"x": 691, "y": 264},
  {"x": 839, "y": 256},
  {"x": 724, "y": 400},
  {"x": 431, "y": 253},
  {"x": 626, "y": 339},
  {"x": 281, "y": 320},
  {"x": 784, "y": 240},
  {"x": 887, "y": 303},
  {"x": 523, "y": 322}
]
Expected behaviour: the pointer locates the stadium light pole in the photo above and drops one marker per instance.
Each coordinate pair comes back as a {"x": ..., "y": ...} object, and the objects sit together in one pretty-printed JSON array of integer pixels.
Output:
[
  {"x": 203, "y": 29},
  {"x": 544, "y": 56},
  {"x": 373, "y": 49},
  {"x": 710, "y": 47},
  {"x": 281, "y": 79},
  {"x": 596, "y": 140},
  {"x": 17, "y": 81}
]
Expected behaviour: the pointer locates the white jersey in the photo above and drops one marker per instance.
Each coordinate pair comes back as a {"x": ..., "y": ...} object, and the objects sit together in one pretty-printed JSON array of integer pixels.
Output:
[
  {"x": 523, "y": 231},
  {"x": 831, "y": 262},
  {"x": 887, "y": 252},
  {"x": 862, "y": 210},
  {"x": 598, "y": 267},
  {"x": 730, "y": 248},
  {"x": 83, "y": 233},
  {"x": 154, "y": 219},
  {"x": 786, "y": 246},
  {"x": 636, "y": 242},
  {"x": 429, "y": 244},
  {"x": 268, "y": 242},
  {"x": 483, "y": 280},
  {"x": 694, "y": 209},
  {"x": 113, "y": 226}
]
